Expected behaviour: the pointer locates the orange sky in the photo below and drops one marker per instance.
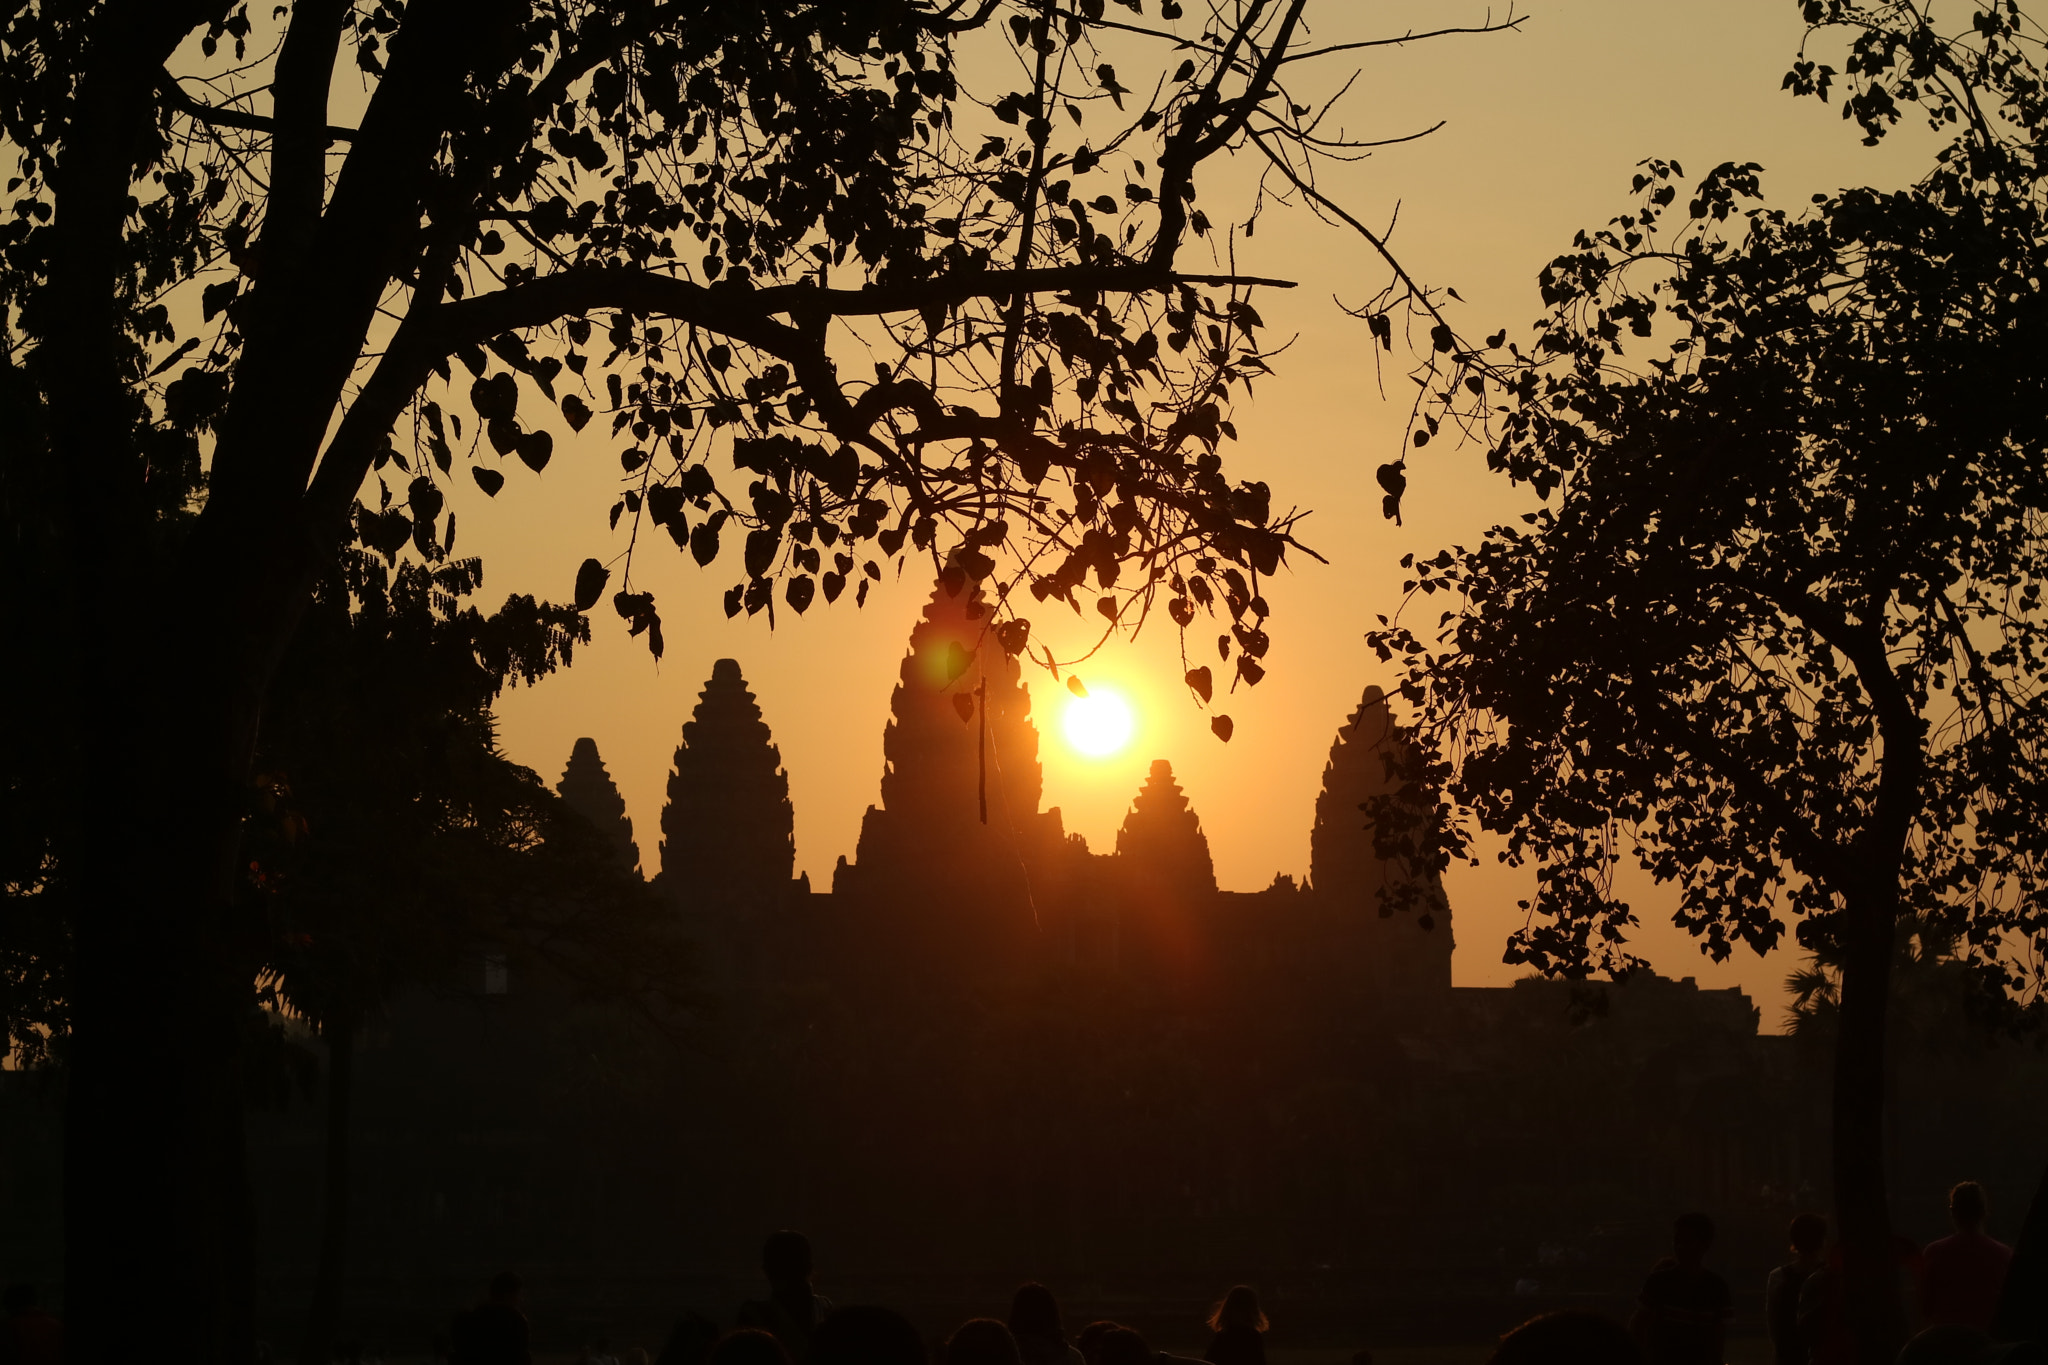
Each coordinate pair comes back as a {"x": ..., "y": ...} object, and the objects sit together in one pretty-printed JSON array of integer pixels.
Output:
[{"x": 1544, "y": 128}]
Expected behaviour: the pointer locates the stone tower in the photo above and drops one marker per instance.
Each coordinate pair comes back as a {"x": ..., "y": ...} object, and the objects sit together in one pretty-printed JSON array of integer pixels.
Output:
[
  {"x": 1162, "y": 841},
  {"x": 728, "y": 831},
  {"x": 589, "y": 791},
  {"x": 959, "y": 733},
  {"x": 1165, "y": 887},
  {"x": 1405, "y": 952}
]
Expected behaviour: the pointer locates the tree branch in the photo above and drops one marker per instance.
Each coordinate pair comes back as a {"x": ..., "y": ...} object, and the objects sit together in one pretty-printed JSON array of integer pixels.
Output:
[
  {"x": 175, "y": 97},
  {"x": 1411, "y": 37}
]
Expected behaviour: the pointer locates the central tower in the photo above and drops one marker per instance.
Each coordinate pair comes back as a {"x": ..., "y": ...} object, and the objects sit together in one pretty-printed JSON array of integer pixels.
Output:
[{"x": 957, "y": 853}]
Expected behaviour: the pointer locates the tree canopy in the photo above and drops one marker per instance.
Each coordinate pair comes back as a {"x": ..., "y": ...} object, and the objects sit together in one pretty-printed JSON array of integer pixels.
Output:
[
  {"x": 269, "y": 273},
  {"x": 1777, "y": 631},
  {"x": 750, "y": 229}
]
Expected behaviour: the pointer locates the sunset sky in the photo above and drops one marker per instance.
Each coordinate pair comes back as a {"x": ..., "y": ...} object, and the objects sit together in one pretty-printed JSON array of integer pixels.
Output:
[{"x": 1544, "y": 126}]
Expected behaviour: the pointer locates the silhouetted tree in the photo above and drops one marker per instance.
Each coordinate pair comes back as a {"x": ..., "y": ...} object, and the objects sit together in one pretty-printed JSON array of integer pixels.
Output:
[
  {"x": 396, "y": 842},
  {"x": 1778, "y": 630},
  {"x": 682, "y": 216}
]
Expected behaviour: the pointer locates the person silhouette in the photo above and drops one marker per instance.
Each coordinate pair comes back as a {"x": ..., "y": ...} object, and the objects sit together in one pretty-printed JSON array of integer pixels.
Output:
[
  {"x": 495, "y": 1331},
  {"x": 29, "y": 1334},
  {"x": 791, "y": 1312},
  {"x": 1239, "y": 1325},
  {"x": 1962, "y": 1274},
  {"x": 1088, "y": 1341},
  {"x": 1808, "y": 1236},
  {"x": 863, "y": 1334},
  {"x": 1035, "y": 1323},
  {"x": 1122, "y": 1346},
  {"x": 1571, "y": 1337},
  {"x": 748, "y": 1346},
  {"x": 1682, "y": 1314},
  {"x": 689, "y": 1341},
  {"x": 981, "y": 1341}
]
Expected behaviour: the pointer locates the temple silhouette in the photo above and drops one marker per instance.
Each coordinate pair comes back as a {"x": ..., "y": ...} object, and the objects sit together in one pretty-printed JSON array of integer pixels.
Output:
[
  {"x": 987, "y": 1053},
  {"x": 959, "y": 875}
]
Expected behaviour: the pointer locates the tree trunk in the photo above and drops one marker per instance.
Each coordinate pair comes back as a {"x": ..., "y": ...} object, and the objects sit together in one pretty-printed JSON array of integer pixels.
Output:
[
  {"x": 1873, "y": 1298},
  {"x": 158, "y": 1223},
  {"x": 325, "y": 1315},
  {"x": 2023, "y": 1306}
]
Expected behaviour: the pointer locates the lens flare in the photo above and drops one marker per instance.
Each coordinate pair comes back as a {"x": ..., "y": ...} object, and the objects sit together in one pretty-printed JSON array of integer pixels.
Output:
[{"x": 1098, "y": 724}]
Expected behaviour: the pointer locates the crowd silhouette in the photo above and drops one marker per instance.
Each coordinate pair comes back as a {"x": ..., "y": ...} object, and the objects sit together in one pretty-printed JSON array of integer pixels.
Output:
[
  {"x": 1954, "y": 1289},
  {"x": 1682, "y": 1316}
]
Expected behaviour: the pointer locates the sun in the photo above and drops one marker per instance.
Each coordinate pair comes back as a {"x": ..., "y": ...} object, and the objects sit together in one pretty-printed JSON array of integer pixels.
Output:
[{"x": 1098, "y": 724}]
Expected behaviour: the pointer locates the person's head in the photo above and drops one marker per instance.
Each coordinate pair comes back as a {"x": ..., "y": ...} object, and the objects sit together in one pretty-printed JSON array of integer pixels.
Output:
[
  {"x": 1949, "y": 1345},
  {"x": 748, "y": 1346},
  {"x": 1122, "y": 1346},
  {"x": 1572, "y": 1337},
  {"x": 1088, "y": 1341},
  {"x": 1240, "y": 1308},
  {"x": 1808, "y": 1234},
  {"x": 866, "y": 1335},
  {"x": 982, "y": 1341},
  {"x": 1034, "y": 1313},
  {"x": 689, "y": 1341},
  {"x": 20, "y": 1298},
  {"x": 1967, "y": 1206},
  {"x": 786, "y": 1258},
  {"x": 1691, "y": 1235},
  {"x": 507, "y": 1288}
]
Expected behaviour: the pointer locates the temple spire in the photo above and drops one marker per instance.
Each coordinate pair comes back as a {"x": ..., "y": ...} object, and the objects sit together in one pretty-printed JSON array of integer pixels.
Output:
[
  {"x": 728, "y": 830},
  {"x": 929, "y": 872},
  {"x": 590, "y": 792},
  {"x": 1408, "y": 914},
  {"x": 1162, "y": 837},
  {"x": 939, "y": 757}
]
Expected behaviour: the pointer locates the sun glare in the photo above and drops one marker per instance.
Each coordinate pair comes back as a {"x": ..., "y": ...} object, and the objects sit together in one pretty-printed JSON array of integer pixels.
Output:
[{"x": 1098, "y": 724}]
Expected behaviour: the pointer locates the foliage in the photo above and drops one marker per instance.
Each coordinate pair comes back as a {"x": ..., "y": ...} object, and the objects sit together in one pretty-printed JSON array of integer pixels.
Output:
[
  {"x": 1937, "y": 1000},
  {"x": 397, "y": 843},
  {"x": 1779, "y": 631},
  {"x": 748, "y": 229}
]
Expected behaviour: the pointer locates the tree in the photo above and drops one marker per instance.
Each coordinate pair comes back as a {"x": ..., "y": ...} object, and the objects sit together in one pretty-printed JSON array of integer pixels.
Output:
[
  {"x": 213, "y": 265},
  {"x": 1777, "y": 631},
  {"x": 397, "y": 841}
]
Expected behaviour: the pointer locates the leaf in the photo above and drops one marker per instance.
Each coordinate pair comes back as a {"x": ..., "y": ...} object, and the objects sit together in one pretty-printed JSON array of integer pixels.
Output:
[
  {"x": 957, "y": 660},
  {"x": 495, "y": 396},
  {"x": 490, "y": 480},
  {"x": 798, "y": 593},
  {"x": 964, "y": 704},
  {"x": 1198, "y": 679},
  {"x": 536, "y": 448},
  {"x": 576, "y": 411},
  {"x": 1222, "y": 727},
  {"x": 704, "y": 543},
  {"x": 1075, "y": 686},
  {"x": 424, "y": 500},
  {"x": 664, "y": 503},
  {"x": 215, "y": 297},
  {"x": 590, "y": 580}
]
